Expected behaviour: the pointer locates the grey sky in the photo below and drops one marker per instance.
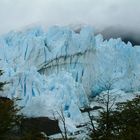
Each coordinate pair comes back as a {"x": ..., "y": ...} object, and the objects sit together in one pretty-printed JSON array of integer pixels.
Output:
[{"x": 15, "y": 14}]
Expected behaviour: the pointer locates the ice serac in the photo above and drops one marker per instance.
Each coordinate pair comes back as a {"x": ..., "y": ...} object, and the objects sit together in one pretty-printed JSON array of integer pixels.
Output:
[
  {"x": 58, "y": 48},
  {"x": 71, "y": 52},
  {"x": 61, "y": 67},
  {"x": 56, "y": 96}
]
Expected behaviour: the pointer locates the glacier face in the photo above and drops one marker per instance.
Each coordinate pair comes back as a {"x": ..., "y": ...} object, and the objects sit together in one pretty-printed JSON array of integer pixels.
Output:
[{"x": 62, "y": 68}]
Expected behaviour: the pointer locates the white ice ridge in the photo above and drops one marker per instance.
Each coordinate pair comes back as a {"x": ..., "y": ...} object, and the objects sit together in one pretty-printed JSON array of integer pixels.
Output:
[{"x": 62, "y": 66}]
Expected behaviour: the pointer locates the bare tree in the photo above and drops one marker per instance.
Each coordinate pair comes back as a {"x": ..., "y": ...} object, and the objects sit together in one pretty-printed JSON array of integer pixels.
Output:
[
  {"x": 61, "y": 118},
  {"x": 107, "y": 100},
  {"x": 89, "y": 110}
]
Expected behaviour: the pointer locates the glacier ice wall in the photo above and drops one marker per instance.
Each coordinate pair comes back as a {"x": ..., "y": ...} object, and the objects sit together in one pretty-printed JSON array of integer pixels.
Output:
[{"x": 65, "y": 67}]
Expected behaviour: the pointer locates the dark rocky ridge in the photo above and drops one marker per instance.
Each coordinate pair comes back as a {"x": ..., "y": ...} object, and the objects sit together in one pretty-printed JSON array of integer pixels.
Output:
[{"x": 120, "y": 32}]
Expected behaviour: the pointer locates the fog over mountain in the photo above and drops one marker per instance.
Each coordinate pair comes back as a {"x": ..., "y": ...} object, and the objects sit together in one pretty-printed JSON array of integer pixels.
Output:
[
  {"x": 110, "y": 17},
  {"x": 119, "y": 32}
]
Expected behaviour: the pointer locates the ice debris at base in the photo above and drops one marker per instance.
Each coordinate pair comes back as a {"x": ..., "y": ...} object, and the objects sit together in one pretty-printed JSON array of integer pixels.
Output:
[{"x": 59, "y": 67}]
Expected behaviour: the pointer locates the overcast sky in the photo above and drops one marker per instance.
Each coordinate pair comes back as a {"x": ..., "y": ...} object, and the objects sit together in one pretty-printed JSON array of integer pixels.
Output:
[{"x": 15, "y": 14}]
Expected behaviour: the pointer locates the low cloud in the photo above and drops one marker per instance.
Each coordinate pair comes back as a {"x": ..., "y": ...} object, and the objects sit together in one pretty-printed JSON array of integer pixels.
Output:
[{"x": 101, "y": 14}]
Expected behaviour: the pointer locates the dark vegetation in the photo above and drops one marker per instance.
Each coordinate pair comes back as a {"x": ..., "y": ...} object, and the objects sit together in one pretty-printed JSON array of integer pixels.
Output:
[
  {"x": 9, "y": 118},
  {"x": 122, "y": 123},
  {"x": 16, "y": 127}
]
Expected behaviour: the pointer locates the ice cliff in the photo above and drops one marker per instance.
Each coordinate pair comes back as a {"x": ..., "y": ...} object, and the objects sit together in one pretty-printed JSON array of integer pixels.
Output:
[{"x": 59, "y": 67}]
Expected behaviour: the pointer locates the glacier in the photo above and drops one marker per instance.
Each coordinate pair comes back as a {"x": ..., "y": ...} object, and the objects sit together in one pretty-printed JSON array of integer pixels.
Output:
[{"x": 62, "y": 68}]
